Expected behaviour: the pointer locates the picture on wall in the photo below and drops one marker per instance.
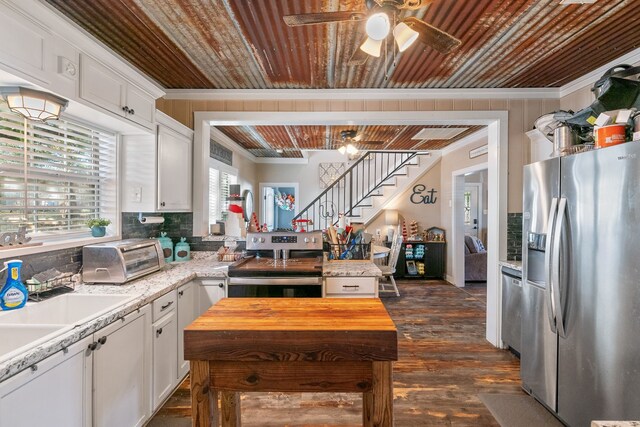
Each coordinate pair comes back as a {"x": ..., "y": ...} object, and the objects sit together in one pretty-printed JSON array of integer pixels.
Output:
[{"x": 329, "y": 172}]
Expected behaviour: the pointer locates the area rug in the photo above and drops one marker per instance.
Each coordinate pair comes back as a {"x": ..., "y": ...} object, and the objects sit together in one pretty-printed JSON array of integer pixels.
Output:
[{"x": 518, "y": 410}]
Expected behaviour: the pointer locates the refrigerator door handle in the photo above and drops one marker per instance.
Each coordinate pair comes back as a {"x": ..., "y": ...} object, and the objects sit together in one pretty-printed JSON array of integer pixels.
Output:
[
  {"x": 562, "y": 208},
  {"x": 548, "y": 260}
]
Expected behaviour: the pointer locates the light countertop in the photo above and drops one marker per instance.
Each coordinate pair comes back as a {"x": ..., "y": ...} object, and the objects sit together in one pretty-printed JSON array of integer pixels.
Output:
[
  {"x": 145, "y": 290},
  {"x": 350, "y": 268},
  {"x": 516, "y": 265},
  {"x": 148, "y": 289}
]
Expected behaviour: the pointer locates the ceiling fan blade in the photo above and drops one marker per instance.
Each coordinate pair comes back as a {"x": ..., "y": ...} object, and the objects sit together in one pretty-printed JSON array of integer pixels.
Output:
[
  {"x": 431, "y": 36},
  {"x": 359, "y": 57},
  {"x": 322, "y": 18},
  {"x": 372, "y": 142}
]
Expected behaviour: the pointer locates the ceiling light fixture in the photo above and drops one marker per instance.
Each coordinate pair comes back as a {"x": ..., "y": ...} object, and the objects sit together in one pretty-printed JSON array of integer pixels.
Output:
[
  {"x": 349, "y": 149},
  {"x": 378, "y": 26},
  {"x": 33, "y": 104},
  {"x": 372, "y": 47},
  {"x": 404, "y": 36}
]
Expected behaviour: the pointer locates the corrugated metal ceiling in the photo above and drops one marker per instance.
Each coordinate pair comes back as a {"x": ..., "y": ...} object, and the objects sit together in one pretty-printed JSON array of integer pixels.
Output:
[
  {"x": 245, "y": 43},
  {"x": 263, "y": 141}
]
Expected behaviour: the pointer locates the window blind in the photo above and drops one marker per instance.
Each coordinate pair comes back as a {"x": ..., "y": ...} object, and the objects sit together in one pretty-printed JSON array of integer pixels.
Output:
[
  {"x": 218, "y": 194},
  {"x": 54, "y": 176}
]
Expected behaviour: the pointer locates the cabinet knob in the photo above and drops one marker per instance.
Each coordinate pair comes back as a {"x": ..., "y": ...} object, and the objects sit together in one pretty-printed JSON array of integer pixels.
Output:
[
  {"x": 126, "y": 109},
  {"x": 102, "y": 340},
  {"x": 93, "y": 346},
  {"x": 162, "y": 203},
  {"x": 132, "y": 111},
  {"x": 34, "y": 368},
  {"x": 180, "y": 293},
  {"x": 221, "y": 285},
  {"x": 159, "y": 332}
]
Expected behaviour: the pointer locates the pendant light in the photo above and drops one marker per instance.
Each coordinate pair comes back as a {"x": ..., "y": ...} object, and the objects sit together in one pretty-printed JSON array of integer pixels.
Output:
[{"x": 33, "y": 104}]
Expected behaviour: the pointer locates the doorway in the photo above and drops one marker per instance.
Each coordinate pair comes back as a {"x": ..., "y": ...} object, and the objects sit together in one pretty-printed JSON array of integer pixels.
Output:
[
  {"x": 470, "y": 208},
  {"x": 278, "y": 205}
]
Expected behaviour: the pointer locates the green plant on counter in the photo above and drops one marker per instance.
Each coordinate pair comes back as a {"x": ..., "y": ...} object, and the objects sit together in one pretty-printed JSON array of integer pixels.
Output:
[{"x": 98, "y": 222}]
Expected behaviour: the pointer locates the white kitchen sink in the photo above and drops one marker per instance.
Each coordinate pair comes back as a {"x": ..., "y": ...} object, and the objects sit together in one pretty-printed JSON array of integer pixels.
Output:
[
  {"x": 14, "y": 339},
  {"x": 68, "y": 309}
]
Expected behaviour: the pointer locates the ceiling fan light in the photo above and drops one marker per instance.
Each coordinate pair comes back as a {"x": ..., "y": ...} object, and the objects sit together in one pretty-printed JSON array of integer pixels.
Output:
[
  {"x": 351, "y": 149},
  {"x": 378, "y": 26},
  {"x": 405, "y": 36},
  {"x": 342, "y": 149},
  {"x": 372, "y": 47}
]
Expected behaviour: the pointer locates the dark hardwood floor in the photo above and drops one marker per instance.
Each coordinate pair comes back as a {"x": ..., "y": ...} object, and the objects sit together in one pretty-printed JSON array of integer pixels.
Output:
[{"x": 444, "y": 363}]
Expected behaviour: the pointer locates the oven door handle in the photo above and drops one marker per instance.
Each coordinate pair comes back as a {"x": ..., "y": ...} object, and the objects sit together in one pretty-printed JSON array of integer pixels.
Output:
[{"x": 275, "y": 281}]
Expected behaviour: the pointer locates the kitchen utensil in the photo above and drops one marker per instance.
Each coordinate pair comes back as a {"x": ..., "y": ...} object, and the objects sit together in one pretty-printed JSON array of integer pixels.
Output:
[
  {"x": 563, "y": 138},
  {"x": 607, "y": 136}
]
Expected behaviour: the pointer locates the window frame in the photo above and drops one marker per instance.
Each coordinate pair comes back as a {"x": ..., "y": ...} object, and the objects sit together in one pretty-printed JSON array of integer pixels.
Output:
[
  {"x": 50, "y": 240},
  {"x": 220, "y": 167}
]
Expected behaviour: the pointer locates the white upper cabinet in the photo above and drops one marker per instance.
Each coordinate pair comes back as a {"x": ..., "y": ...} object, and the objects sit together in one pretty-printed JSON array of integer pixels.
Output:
[
  {"x": 157, "y": 170},
  {"x": 24, "y": 47},
  {"x": 174, "y": 170},
  {"x": 108, "y": 90}
]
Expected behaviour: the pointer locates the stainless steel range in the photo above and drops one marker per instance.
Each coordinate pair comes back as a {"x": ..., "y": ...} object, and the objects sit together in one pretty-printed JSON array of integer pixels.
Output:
[{"x": 280, "y": 265}]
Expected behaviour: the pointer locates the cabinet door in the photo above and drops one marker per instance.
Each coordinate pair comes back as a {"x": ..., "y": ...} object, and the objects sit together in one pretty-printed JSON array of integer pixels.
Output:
[
  {"x": 174, "y": 171},
  {"x": 101, "y": 86},
  {"x": 142, "y": 107},
  {"x": 54, "y": 392},
  {"x": 211, "y": 291},
  {"x": 165, "y": 354},
  {"x": 186, "y": 315},
  {"x": 122, "y": 371},
  {"x": 24, "y": 47}
]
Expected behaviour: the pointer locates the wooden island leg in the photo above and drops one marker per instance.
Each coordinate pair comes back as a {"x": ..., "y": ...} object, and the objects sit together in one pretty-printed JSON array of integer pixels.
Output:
[
  {"x": 204, "y": 400},
  {"x": 230, "y": 408},
  {"x": 377, "y": 404}
]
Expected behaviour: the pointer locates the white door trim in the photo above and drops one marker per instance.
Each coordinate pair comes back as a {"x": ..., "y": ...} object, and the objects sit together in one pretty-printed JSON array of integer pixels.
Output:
[{"x": 497, "y": 122}]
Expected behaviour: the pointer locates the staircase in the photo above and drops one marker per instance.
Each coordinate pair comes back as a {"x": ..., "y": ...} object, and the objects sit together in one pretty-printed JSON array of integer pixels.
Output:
[{"x": 367, "y": 187}]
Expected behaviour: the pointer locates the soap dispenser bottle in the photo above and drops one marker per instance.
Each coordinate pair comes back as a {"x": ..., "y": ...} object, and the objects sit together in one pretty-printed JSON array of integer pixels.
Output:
[{"x": 13, "y": 294}]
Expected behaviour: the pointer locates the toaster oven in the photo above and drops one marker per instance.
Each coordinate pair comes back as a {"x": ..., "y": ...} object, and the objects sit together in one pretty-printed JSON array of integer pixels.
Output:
[{"x": 121, "y": 261}]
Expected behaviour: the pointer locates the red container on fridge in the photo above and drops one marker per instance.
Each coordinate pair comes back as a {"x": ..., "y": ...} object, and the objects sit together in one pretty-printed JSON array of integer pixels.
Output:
[{"x": 608, "y": 136}]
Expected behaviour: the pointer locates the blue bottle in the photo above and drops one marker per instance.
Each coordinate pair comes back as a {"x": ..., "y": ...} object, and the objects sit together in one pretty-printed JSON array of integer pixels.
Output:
[{"x": 13, "y": 295}]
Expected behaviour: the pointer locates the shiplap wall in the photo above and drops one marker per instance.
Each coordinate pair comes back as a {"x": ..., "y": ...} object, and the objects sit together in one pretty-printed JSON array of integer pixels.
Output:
[{"x": 522, "y": 114}]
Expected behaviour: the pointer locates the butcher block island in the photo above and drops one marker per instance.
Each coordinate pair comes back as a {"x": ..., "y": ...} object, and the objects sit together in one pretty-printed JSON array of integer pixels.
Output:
[{"x": 291, "y": 345}]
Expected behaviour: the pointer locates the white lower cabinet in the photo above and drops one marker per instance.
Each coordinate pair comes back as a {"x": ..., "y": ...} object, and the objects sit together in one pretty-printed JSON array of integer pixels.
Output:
[
  {"x": 165, "y": 356},
  {"x": 122, "y": 371},
  {"x": 211, "y": 291},
  {"x": 351, "y": 287},
  {"x": 187, "y": 313},
  {"x": 53, "y": 392}
]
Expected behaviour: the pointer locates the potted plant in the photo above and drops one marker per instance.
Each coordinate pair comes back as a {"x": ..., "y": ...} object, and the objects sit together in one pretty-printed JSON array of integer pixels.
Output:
[{"x": 98, "y": 226}]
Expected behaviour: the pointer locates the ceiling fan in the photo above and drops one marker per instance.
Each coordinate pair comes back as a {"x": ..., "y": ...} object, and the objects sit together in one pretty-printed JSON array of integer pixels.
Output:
[
  {"x": 348, "y": 137},
  {"x": 379, "y": 16}
]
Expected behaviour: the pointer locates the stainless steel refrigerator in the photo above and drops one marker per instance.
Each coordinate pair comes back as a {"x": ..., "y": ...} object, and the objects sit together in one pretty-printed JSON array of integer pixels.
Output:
[{"x": 581, "y": 276}]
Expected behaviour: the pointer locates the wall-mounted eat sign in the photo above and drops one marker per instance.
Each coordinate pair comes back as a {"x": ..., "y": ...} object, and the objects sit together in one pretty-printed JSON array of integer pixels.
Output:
[{"x": 420, "y": 196}]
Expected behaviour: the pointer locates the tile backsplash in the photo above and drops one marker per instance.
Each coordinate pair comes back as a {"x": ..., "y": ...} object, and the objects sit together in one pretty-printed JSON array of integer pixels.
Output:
[
  {"x": 176, "y": 225},
  {"x": 514, "y": 236},
  {"x": 70, "y": 260},
  {"x": 64, "y": 260}
]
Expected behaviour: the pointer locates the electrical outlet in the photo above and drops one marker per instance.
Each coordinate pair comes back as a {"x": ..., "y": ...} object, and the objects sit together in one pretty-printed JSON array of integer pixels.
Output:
[{"x": 137, "y": 194}]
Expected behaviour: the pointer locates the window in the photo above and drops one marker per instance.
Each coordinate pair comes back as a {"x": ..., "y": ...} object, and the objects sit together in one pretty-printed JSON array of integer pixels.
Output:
[
  {"x": 54, "y": 176},
  {"x": 467, "y": 207},
  {"x": 219, "y": 182}
]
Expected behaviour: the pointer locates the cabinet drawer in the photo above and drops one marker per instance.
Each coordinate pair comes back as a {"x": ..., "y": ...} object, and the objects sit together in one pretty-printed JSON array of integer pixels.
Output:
[
  {"x": 164, "y": 305},
  {"x": 350, "y": 285}
]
